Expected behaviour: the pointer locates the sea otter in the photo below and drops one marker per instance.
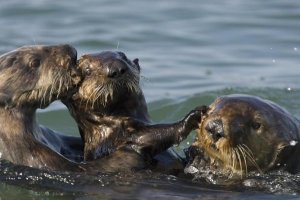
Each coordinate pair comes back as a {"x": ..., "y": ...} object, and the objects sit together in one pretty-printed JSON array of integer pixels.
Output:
[
  {"x": 112, "y": 114},
  {"x": 32, "y": 77},
  {"x": 241, "y": 133}
]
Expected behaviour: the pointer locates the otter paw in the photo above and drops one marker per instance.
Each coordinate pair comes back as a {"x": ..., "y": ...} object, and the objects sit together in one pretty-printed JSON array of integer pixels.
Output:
[{"x": 194, "y": 117}]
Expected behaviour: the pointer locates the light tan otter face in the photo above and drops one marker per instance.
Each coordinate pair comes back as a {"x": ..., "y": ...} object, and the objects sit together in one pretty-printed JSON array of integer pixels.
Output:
[
  {"x": 37, "y": 75},
  {"x": 107, "y": 76},
  {"x": 241, "y": 133}
]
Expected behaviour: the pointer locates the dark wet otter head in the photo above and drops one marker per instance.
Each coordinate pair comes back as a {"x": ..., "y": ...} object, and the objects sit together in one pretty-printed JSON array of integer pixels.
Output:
[
  {"x": 34, "y": 76},
  {"x": 242, "y": 133},
  {"x": 108, "y": 76}
]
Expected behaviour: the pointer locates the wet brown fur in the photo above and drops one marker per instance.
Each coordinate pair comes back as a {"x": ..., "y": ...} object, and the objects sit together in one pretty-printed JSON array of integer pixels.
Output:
[
  {"x": 32, "y": 77},
  {"x": 254, "y": 134},
  {"x": 42, "y": 74},
  {"x": 101, "y": 102}
]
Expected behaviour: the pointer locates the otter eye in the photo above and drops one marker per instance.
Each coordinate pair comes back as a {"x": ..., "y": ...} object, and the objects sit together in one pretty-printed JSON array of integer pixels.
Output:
[
  {"x": 87, "y": 71},
  {"x": 256, "y": 125},
  {"x": 35, "y": 63}
]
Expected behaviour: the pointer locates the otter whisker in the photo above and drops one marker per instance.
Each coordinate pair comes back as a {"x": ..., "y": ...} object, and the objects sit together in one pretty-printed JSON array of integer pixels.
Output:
[
  {"x": 50, "y": 94},
  {"x": 92, "y": 94},
  {"x": 45, "y": 91},
  {"x": 244, "y": 158},
  {"x": 82, "y": 101},
  {"x": 59, "y": 79},
  {"x": 91, "y": 97},
  {"x": 51, "y": 91},
  {"x": 42, "y": 92},
  {"x": 133, "y": 87},
  {"x": 251, "y": 157},
  {"x": 236, "y": 151},
  {"x": 129, "y": 86},
  {"x": 104, "y": 92},
  {"x": 56, "y": 77},
  {"x": 233, "y": 159},
  {"x": 111, "y": 91},
  {"x": 60, "y": 86},
  {"x": 95, "y": 95},
  {"x": 231, "y": 163},
  {"x": 101, "y": 91},
  {"x": 249, "y": 150},
  {"x": 133, "y": 81}
]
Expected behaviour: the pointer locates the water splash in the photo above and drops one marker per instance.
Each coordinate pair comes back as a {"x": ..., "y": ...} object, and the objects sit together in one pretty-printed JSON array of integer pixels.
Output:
[{"x": 293, "y": 143}]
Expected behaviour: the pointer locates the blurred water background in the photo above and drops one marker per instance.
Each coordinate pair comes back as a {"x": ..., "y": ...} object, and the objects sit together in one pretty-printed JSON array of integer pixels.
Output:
[{"x": 190, "y": 52}]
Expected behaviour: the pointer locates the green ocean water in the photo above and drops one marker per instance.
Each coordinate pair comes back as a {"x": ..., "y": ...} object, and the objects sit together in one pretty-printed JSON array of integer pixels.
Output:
[{"x": 190, "y": 52}]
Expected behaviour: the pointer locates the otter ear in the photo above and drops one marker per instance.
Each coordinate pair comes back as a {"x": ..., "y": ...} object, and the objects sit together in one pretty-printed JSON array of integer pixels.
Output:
[
  {"x": 136, "y": 62},
  {"x": 5, "y": 100}
]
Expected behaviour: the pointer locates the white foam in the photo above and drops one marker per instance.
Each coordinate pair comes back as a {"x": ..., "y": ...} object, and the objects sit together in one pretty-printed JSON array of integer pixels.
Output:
[
  {"x": 293, "y": 142},
  {"x": 190, "y": 170}
]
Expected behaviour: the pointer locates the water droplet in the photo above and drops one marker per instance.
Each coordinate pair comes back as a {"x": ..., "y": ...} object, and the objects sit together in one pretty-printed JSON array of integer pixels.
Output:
[
  {"x": 250, "y": 183},
  {"x": 191, "y": 170},
  {"x": 293, "y": 142}
]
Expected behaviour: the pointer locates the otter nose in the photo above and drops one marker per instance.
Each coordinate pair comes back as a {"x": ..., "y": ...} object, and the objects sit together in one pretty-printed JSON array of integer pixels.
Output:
[
  {"x": 70, "y": 58},
  {"x": 215, "y": 128},
  {"x": 116, "y": 70},
  {"x": 70, "y": 50}
]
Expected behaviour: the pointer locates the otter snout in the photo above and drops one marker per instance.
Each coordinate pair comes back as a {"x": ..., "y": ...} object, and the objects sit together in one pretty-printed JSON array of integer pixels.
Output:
[
  {"x": 70, "y": 50},
  {"x": 70, "y": 62},
  {"x": 116, "y": 69},
  {"x": 215, "y": 128},
  {"x": 68, "y": 58}
]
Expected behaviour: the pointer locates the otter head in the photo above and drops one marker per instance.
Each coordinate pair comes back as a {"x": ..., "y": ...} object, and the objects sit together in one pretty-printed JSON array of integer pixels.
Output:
[
  {"x": 35, "y": 76},
  {"x": 109, "y": 78},
  {"x": 242, "y": 133}
]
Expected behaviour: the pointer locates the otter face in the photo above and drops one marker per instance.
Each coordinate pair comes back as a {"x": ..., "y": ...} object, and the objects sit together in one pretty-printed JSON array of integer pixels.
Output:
[
  {"x": 242, "y": 133},
  {"x": 37, "y": 75},
  {"x": 108, "y": 75}
]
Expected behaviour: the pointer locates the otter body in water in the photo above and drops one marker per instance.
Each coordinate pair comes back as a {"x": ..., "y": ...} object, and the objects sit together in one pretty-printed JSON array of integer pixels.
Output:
[
  {"x": 109, "y": 91},
  {"x": 112, "y": 114},
  {"x": 241, "y": 133},
  {"x": 32, "y": 77}
]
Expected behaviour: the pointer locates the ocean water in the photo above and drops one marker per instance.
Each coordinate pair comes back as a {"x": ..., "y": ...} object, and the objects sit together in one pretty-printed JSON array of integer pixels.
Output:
[{"x": 190, "y": 52}]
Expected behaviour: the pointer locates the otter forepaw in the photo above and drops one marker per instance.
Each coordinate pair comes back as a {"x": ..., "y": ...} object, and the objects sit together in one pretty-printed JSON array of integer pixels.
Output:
[{"x": 194, "y": 117}]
